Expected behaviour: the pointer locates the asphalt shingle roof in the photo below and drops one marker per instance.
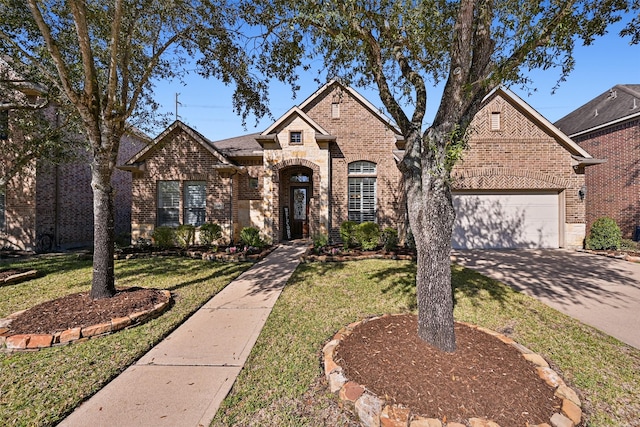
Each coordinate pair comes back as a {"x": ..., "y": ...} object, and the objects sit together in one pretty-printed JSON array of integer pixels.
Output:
[{"x": 615, "y": 104}]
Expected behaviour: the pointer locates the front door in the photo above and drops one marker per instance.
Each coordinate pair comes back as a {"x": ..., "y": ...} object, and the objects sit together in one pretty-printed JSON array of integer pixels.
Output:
[{"x": 300, "y": 212}]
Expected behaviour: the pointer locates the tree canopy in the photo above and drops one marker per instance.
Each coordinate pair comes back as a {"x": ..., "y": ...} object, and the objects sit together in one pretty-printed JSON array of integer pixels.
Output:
[
  {"x": 98, "y": 61},
  {"x": 402, "y": 48}
]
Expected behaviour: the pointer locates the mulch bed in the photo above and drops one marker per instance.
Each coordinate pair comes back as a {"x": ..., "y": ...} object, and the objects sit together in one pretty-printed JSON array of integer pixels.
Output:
[
  {"x": 483, "y": 378},
  {"x": 78, "y": 310}
]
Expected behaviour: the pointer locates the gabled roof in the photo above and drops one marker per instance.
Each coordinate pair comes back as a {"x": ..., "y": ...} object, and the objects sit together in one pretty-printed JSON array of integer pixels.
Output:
[
  {"x": 620, "y": 103},
  {"x": 239, "y": 146},
  {"x": 361, "y": 99},
  {"x": 295, "y": 111},
  {"x": 320, "y": 132},
  {"x": 177, "y": 125},
  {"x": 578, "y": 152}
]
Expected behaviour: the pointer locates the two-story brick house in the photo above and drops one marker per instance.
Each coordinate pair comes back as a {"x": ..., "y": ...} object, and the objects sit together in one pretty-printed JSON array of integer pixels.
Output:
[
  {"x": 334, "y": 158},
  {"x": 609, "y": 127},
  {"x": 56, "y": 199}
]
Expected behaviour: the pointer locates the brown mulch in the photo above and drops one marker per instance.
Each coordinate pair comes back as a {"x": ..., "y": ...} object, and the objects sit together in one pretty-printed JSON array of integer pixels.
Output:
[
  {"x": 483, "y": 378},
  {"x": 78, "y": 310}
]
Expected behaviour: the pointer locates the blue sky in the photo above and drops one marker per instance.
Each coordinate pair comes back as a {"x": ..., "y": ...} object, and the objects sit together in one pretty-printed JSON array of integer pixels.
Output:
[{"x": 206, "y": 104}]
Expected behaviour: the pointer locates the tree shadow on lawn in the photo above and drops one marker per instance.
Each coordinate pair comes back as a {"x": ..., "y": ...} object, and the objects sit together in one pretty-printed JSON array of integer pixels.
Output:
[{"x": 464, "y": 282}]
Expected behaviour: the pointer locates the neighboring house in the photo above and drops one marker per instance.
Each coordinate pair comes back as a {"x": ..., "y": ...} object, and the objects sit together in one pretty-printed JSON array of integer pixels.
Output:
[
  {"x": 608, "y": 126},
  {"x": 333, "y": 158},
  {"x": 57, "y": 199}
]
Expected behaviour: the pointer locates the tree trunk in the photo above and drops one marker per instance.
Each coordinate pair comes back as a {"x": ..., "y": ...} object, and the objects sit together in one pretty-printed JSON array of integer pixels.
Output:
[
  {"x": 103, "y": 283},
  {"x": 431, "y": 217}
]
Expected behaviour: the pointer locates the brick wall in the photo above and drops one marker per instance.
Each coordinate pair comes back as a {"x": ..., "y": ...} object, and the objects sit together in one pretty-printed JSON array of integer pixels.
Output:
[
  {"x": 613, "y": 188},
  {"x": 360, "y": 135},
  {"x": 519, "y": 156},
  {"x": 179, "y": 157}
]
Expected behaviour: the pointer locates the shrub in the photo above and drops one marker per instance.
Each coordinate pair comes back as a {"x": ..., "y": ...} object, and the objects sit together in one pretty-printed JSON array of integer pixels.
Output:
[
  {"x": 630, "y": 245},
  {"x": 163, "y": 237},
  {"x": 210, "y": 233},
  {"x": 389, "y": 239},
  {"x": 347, "y": 230},
  {"x": 367, "y": 235},
  {"x": 604, "y": 234},
  {"x": 250, "y": 236},
  {"x": 320, "y": 241},
  {"x": 185, "y": 235}
]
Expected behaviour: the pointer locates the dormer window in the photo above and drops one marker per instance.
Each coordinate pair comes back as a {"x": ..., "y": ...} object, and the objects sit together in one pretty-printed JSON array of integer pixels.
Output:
[{"x": 295, "y": 138}]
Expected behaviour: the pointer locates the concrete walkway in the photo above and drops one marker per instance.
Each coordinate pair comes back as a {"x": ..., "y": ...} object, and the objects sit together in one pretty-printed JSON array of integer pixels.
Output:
[
  {"x": 183, "y": 380},
  {"x": 599, "y": 291}
]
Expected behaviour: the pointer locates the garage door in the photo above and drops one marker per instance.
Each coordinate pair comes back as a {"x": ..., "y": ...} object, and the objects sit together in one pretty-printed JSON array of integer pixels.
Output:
[{"x": 521, "y": 220}]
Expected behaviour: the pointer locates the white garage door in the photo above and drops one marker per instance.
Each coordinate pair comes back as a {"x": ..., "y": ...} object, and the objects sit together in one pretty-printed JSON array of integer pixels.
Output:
[{"x": 506, "y": 220}]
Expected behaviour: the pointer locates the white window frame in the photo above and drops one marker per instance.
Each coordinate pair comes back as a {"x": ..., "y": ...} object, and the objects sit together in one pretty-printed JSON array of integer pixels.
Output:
[
  {"x": 168, "y": 203},
  {"x": 362, "y": 192},
  {"x": 195, "y": 211}
]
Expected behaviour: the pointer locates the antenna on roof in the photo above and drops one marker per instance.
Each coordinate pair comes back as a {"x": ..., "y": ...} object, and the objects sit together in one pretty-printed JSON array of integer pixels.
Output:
[{"x": 177, "y": 103}]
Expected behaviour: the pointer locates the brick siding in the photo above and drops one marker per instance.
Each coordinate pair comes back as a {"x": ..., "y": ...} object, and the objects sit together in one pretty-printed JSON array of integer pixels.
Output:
[{"x": 613, "y": 188}]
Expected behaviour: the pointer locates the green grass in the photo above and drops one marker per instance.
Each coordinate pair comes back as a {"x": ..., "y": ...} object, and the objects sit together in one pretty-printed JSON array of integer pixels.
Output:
[
  {"x": 40, "y": 388},
  {"x": 280, "y": 382}
]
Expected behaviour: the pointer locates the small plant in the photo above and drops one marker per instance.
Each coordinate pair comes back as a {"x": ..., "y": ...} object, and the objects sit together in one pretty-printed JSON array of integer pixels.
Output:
[
  {"x": 320, "y": 241},
  {"x": 605, "y": 234},
  {"x": 210, "y": 233},
  {"x": 389, "y": 239},
  {"x": 185, "y": 235},
  {"x": 630, "y": 245},
  {"x": 347, "y": 230},
  {"x": 163, "y": 237},
  {"x": 367, "y": 235},
  {"x": 250, "y": 236}
]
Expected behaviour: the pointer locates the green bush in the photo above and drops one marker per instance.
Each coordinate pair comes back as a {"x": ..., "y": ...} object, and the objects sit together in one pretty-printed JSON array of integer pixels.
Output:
[
  {"x": 210, "y": 233},
  {"x": 604, "y": 234},
  {"x": 630, "y": 245},
  {"x": 389, "y": 239},
  {"x": 250, "y": 236},
  {"x": 185, "y": 235},
  {"x": 163, "y": 237},
  {"x": 367, "y": 235},
  {"x": 320, "y": 241},
  {"x": 347, "y": 230}
]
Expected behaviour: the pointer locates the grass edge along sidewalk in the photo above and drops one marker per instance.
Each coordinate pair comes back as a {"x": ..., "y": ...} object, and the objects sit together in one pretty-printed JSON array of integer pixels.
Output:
[{"x": 41, "y": 388}]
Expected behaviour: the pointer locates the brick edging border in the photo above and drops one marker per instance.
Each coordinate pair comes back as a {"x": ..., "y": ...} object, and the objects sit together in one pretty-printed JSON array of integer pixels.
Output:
[
  {"x": 30, "y": 342},
  {"x": 373, "y": 411}
]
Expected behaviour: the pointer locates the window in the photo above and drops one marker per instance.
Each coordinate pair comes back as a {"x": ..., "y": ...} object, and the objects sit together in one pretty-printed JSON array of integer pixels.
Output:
[
  {"x": 4, "y": 125},
  {"x": 495, "y": 120},
  {"x": 168, "y": 203},
  {"x": 195, "y": 202},
  {"x": 362, "y": 191},
  {"x": 335, "y": 110},
  {"x": 2, "y": 209},
  {"x": 253, "y": 183},
  {"x": 295, "y": 138},
  {"x": 300, "y": 177}
]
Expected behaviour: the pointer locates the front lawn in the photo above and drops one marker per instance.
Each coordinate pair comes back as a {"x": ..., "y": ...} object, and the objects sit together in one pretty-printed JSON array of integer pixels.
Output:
[
  {"x": 40, "y": 388},
  {"x": 282, "y": 383}
]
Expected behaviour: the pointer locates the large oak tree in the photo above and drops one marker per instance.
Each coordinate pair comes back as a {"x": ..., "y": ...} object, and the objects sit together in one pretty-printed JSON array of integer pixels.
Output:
[
  {"x": 98, "y": 60},
  {"x": 403, "y": 47}
]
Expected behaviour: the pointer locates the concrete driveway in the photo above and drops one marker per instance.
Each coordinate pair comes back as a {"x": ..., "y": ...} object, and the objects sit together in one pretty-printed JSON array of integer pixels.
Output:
[{"x": 599, "y": 291}]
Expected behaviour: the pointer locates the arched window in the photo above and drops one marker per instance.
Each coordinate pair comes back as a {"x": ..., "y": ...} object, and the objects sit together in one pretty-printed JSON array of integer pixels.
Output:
[{"x": 362, "y": 191}]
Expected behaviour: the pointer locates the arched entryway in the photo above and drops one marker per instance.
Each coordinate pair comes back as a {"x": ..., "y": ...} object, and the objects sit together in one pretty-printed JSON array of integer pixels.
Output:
[
  {"x": 296, "y": 193},
  {"x": 296, "y": 186}
]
